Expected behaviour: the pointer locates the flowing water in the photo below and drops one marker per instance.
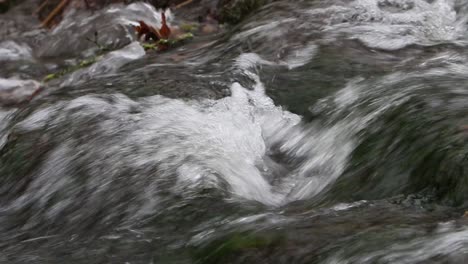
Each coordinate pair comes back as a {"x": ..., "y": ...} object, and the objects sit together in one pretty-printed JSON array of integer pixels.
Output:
[{"x": 313, "y": 132}]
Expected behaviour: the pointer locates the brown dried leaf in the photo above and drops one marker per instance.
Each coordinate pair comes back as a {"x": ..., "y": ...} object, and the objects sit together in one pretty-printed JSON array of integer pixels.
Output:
[
  {"x": 165, "y": 30},
  {"x": 149, "y": 32}
]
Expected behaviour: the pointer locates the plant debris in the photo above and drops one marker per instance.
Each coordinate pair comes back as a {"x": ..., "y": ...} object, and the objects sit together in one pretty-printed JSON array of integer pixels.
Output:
[
  {"x": 147, "y": 31},
  {"x": 165, "y": 31},
  {"x": 162, "y": 38},
  {"x": 57, "y": 10},
  {"x": 81, "y": 64},
  {"x": 168, "y": 42}
]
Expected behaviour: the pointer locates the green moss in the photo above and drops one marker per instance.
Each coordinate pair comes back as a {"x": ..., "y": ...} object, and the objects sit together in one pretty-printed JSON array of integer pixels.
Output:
[
  {"x": 189, "y": 27},
  {"x": 50, "y": 77},
  {"x": 185, "y": 36},
  {"x": 241, "y": 242},
  {"x": 409, "y": 149},
  {"x": 81, "y": 64},
  {"x": 169, "y": 43},
  {"x": 177, "y": 40},
  {"x": 221, "y": 250},
  {"x": 149, "y": 46},
  {"x": 86, "y": 63}
]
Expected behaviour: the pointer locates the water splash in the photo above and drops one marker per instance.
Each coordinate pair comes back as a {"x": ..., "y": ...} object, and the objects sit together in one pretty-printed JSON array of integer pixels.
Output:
[
  {"x": 201, "y": 143},
  {"x": 392, "y": 25}
]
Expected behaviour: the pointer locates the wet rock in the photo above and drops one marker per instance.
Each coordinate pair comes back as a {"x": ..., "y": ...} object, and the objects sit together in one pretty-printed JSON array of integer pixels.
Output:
[
  {"x": 4, "y": 5},
  {"x": 110, "y": 63},
  {"x": 109, "y": 28},
  {"x": 18, "y": 21},
  {"x": 209, "y": 29},
  {"x": 234, "y": 11},
  {"x": 14, "y": 91}
]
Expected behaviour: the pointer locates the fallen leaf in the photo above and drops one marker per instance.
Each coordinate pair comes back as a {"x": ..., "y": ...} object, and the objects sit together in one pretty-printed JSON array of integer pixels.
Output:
[
  {"x": 149, "y": 32},
  {"x": 165, "y": 31}
]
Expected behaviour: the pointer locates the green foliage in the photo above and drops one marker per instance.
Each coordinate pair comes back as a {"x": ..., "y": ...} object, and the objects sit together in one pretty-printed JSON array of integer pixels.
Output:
[{"x": 86, "y": 63}]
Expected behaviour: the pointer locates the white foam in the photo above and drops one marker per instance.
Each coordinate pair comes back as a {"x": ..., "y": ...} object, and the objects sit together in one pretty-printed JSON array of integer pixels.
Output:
[
  {"x": 267, "y": 30},
  {"x": 11, "y": 51},
  {"x": 299, "y": 57},
  {"x": 409, "y": 22},
  {"x": 222, "y": 144}
]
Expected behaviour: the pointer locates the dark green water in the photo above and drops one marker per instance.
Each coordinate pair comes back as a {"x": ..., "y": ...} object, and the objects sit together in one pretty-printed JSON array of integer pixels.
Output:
[{"x": 312, "y": 132}]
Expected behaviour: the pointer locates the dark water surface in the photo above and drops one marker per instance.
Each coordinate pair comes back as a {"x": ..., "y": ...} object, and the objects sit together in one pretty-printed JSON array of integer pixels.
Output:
[{"x": 313, "y": 132}]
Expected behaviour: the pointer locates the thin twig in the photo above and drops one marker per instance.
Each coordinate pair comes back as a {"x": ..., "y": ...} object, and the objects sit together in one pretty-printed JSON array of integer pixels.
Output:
[
  {"x": 55, "y": 12},
  {"x": 183, "y": 4},
  {"x": 39, "y": 9},
  {"x": 37, "y": 238}
]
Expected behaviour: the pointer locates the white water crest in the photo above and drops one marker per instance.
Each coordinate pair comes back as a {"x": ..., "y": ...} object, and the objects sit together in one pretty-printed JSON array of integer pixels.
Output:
[
  {"x": 394, "y": 24},
  {"x": 201, "y": 143},
  {"x": 11, "y": 51},
  {"x": 449, "y": 241},
  {"x": 230, "y": 144}
]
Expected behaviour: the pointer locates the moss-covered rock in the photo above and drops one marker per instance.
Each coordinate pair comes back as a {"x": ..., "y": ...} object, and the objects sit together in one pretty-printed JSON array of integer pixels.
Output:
[
  {"x": 243, "y": 247},
  {"x": 81, "y": 64},
  {"x": 189, "y": 27},
  {"x": 164, "y": 44}
]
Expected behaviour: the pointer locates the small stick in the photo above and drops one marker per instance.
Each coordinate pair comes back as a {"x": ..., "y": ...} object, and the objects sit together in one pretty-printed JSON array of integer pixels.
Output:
[
  {"x": 39, "y": 9},
  {"x": 55, "y": 12},
  {"x": 183, "y": 4}
]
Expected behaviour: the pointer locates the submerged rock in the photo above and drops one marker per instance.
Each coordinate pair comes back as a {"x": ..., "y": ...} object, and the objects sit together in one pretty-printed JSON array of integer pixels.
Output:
[{"x": 234, "y": 11}]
